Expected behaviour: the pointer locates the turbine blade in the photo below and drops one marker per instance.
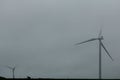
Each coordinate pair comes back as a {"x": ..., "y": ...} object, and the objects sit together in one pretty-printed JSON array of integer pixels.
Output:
[
  {"x": 100, "y": 33},
  {"x": 101, "y": 26},
  {"x": 93, "y": 39},
  {"x": 9, "y": 67},
  {"x": 106, "y": 50}
]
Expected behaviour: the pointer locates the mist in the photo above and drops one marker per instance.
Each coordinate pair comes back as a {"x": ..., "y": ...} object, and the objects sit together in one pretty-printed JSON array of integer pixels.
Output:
[{"x": 38, "y": 37}]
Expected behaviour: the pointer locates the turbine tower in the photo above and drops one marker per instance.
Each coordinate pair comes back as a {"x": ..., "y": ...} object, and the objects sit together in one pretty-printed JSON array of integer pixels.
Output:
[
  {"x": 13, "y": 70},
  {"x": 101, "y": 45}
]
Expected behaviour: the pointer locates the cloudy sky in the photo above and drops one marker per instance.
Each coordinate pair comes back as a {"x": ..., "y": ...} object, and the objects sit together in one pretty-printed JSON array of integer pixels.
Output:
[{"x": 38, "y": 37}]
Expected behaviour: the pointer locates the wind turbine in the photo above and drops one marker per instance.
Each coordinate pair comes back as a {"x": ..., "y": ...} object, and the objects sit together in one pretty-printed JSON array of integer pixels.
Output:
[
  {"x": 101, "y": 45},
  {"x": 13, "y": 70}
]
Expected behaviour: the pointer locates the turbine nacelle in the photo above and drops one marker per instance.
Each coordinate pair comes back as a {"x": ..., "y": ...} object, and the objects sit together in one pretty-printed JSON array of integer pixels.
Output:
[{"x": 100, "y": 38}]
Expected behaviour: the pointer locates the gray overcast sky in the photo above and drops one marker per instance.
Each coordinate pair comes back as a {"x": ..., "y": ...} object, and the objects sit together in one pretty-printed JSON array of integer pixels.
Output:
[{"x": 38, "y": 37}]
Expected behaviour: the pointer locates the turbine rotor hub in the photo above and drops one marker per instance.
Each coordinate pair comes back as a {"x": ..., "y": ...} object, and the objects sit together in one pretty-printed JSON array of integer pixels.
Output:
[{"x": 101, "y": 38}]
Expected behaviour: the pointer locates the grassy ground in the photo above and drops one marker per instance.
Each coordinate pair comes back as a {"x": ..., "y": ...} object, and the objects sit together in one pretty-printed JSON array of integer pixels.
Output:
[
  {"x": 55, "y": 79},
  {"x": 2, "y": 78}
]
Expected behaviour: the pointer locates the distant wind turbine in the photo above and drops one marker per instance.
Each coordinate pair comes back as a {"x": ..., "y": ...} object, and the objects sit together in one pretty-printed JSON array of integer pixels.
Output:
[
  {"x": 101, "y": 45},
  {"x": 13, "y": 70}
]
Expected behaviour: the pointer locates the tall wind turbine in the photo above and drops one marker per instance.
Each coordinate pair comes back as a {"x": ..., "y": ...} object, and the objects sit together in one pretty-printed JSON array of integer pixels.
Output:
[
  {"x": 101, "y": 45},
  {"x": 13, "y": 70}
]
